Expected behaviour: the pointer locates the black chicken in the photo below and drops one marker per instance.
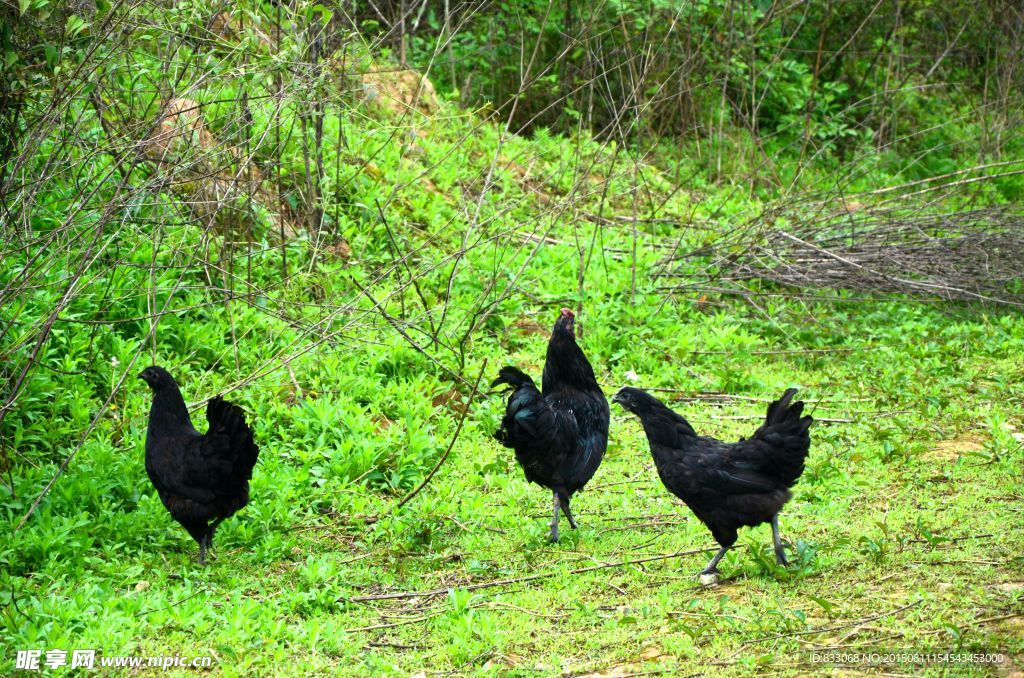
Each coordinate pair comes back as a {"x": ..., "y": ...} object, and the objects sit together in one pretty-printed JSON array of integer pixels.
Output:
[
  {"x": 559, "y": 433},
  {"x": 727, "y": 485},
  {"x": 201, "y": 479}
]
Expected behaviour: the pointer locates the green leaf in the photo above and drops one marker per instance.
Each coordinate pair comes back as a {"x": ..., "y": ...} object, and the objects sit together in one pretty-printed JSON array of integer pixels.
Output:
[
  {"x": 76, "y": 24},
  {"x": 825, "y": 605},
  {"x": 52, "y": 55}
]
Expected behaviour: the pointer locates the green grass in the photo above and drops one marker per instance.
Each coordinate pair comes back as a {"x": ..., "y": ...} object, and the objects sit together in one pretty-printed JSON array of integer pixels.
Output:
[
  {"x": 887, "y": 522},
  {"x": 905, "y": 525}
]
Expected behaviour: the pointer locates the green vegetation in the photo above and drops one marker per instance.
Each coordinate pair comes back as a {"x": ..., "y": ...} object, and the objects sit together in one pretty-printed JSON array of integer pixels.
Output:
[{"x": 258, "y": 202}]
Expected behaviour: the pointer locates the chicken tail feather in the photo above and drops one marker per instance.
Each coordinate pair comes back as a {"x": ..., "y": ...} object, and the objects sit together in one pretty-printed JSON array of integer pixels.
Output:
[
  {"x": 785, "y": 430},
  {"x": 229, "y": 420}
]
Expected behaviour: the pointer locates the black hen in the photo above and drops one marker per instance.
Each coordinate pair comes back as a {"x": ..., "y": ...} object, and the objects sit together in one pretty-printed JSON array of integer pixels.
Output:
[
  {"x": 727, "y": 485},
  {"x": 559, "y": 433},
  {"x": 201, "y": 479}
]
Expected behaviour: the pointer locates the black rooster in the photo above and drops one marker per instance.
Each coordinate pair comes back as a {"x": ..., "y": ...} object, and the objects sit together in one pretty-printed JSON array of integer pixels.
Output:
[
  {"x": 727, "y": 485},
  {"x": 559, "y": 433},
  {"x": 201, "y": 479}
]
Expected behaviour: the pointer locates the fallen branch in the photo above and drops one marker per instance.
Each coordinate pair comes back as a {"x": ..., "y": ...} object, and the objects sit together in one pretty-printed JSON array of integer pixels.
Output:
[
  {"x": 840, "y": 627},
  {"x": 742, "y": 417},
  {"x": 519, "y": 580},
  {"x": 970, "y": 256}
]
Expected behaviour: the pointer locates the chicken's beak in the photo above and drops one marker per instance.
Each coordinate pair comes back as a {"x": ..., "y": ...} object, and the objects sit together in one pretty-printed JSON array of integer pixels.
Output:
[{"x": 616, "y": 399}]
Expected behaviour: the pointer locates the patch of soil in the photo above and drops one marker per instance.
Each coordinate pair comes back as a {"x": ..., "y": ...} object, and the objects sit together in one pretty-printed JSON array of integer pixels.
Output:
[{"x": 951, "y": 450}]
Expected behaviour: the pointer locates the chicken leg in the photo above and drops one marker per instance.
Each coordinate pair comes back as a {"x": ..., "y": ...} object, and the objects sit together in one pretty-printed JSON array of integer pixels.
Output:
[
  {"x": 207, "y": 543},
  {"x": 780, "y": 552},
  {"x": 712, "y": 567},
  {"x": 568, "y": 513},
  {"x": 554, "y": 518}
]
